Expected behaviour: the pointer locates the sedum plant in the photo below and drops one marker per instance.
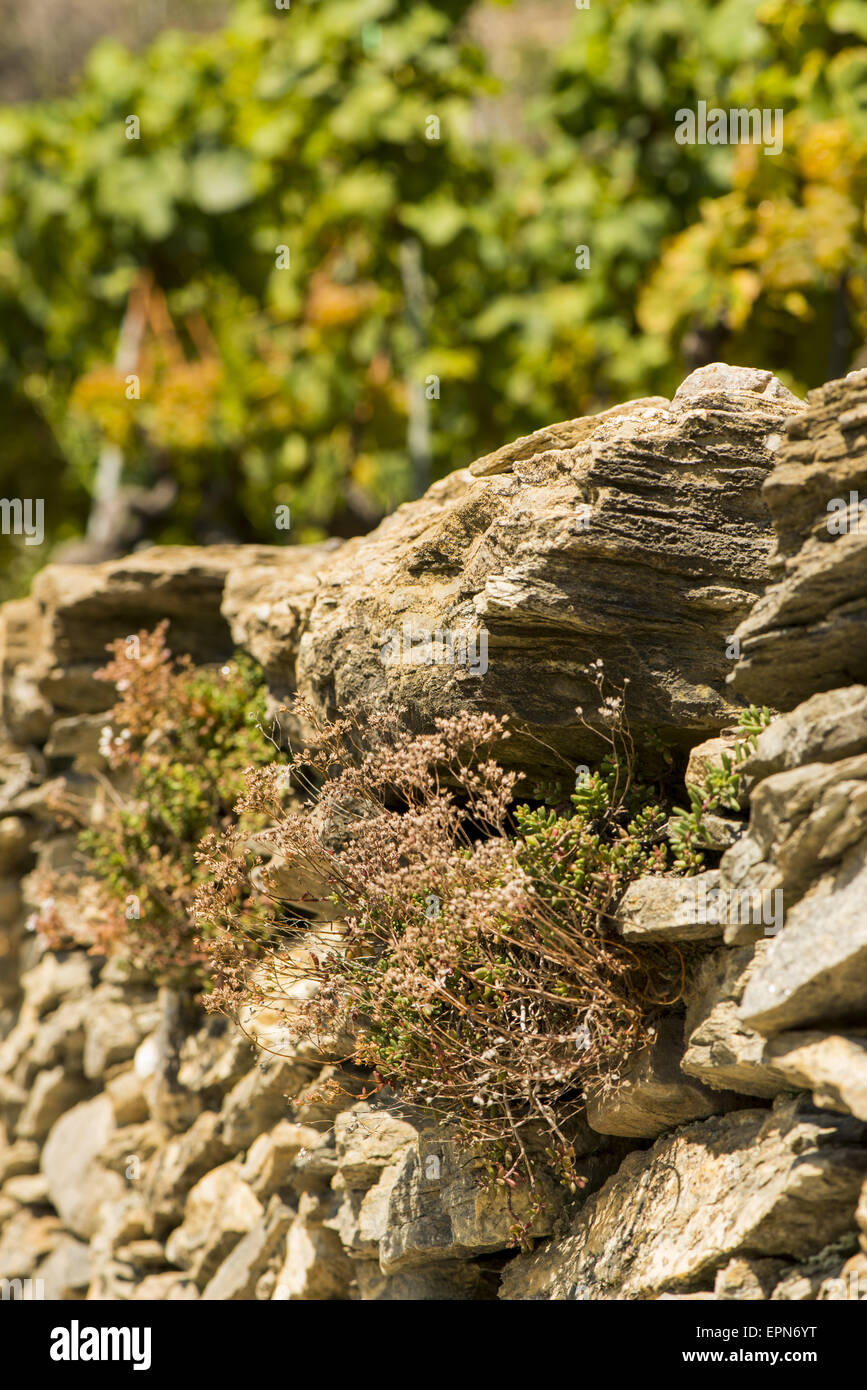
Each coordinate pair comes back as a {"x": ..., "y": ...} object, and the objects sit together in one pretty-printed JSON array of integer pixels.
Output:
[
  {"x": 475, "y": 966},
  {"x": 721, "y": 790}
]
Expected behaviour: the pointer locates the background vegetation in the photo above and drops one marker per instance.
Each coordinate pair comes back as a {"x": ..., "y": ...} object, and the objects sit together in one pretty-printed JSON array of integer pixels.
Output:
[{"x": 427, "y": 306}]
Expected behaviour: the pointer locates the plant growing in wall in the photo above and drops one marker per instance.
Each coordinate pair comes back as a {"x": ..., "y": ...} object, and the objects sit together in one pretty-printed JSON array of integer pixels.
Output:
[
  {"x": 474, "y": 957},
  {"x": 722, "y": 789},
  {"x": 178, "y": 742}
]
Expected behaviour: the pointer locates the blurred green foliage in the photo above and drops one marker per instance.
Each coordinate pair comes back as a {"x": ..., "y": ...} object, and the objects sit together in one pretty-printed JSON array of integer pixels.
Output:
[{"x": 266, "y": 384}]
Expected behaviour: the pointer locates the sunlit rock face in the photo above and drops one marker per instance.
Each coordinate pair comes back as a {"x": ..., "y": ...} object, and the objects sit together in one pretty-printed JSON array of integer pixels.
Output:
[
  {"x": 638, "y": 537},
  {"x": 808, "y": 633},
  {"x": 153, "y": 1152}
]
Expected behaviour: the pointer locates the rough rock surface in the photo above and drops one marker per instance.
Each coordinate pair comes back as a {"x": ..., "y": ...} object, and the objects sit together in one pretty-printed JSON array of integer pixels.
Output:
[
  {"x": 653, "y": 1093},
  {"x": 816, "y": 971},
  {"x": 721, "y": 1050},
  {"x": 666, "y": 907},
  {"x": 808, "y": 633},
  {"x": 832, "y": 1066},
  {"x": 638, "y": 538},
  {"x": 642, "y": 536},
  {"x": 77, "y": 1182},
  {"x": 779, "y": 1185}
]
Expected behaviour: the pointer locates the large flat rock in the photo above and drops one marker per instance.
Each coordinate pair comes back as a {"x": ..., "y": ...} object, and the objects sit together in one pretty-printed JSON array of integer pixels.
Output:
[
  {"x": 78, "y": 1183},
  {"x": 668, "y": 907},
  {"x": 653, "y": 1093},
  {"x": 638, "y": 537},
  {"x": 816, "y": 969},
  {"x": 439, "y": 1208},
  {"x": 76, "y": 610},
  {"x": 808, "y": 633},
  {"x": 777, "y": 1185},
  {"x": 831, "y": 1065},
  {"x": 826, "y": 728},
  {"x": 722, "y": 1050}
]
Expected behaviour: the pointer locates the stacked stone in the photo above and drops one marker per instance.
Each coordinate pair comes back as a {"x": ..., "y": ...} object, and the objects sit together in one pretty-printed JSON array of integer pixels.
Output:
[
  {"x": 777, "y": 1014},
  {"x": 808, "y": 633},
  {"x": 144, "y": 1154}
]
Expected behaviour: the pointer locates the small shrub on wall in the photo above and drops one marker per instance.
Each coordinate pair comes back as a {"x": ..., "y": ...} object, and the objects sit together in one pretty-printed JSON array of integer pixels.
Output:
[
  {"x": 178, "y": 740},
  {"x": 474, "y": 957}
]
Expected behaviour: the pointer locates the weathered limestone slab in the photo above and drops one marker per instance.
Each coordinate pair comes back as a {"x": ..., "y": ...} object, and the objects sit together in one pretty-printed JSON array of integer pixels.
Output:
[
  {"x": 808, "y": 632},
  {"x": 239, "y": 1273},
  {"x": 439, "y": 1209},
  {"x": 778, "y": 1185},
  {"x": 816, "y": 969},
  {"x": 113, "y": 1031},
  {"x": 824, "y": 729},
  {"x": 653, "y": 1093},
  {"x": 722, "y": 1051},
  {"x": 219, "y": 1210},
  {"x": 260, "y": 1098},
  {"x": 270, "y": 1161},
  {"x": 831, "y": 1065},
  {"x": 84, "y": 607},
  {"x": 184, "y": 1159},
  {"x": 368, "y": 1141},
  {"x": 638, "y": 537},
  {"x": 268, "y": 608},
  {"x": 77, "y": 1182},
  {"x": 315, "y": 1267},
  {"x": 566, "y": 434},
  {"x": 666, "y": 907}
]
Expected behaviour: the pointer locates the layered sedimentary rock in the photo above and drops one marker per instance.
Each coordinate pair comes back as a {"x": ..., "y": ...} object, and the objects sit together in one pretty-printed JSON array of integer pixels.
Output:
[
  {"x": 728, "y": 1161},
  {"x": 809, "y": 631},
  {"x": 638, "y": 538},
  {"x": 768, "y": 1185},
  {"x": 52, "y": 643}
]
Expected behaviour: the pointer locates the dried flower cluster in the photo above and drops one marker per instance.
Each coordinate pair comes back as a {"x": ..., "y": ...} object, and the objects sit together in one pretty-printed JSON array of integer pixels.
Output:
[
  {"x": 469, "y": 948},
  {"x": 458, "y": 945}
]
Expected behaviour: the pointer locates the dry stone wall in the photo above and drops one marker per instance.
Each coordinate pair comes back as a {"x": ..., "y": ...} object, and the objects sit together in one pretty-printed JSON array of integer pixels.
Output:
[{"x": 150, "y": 1152}]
